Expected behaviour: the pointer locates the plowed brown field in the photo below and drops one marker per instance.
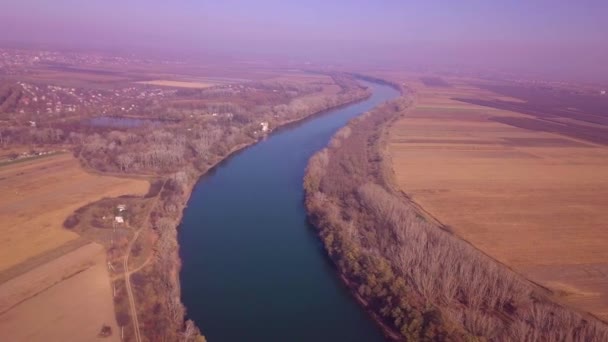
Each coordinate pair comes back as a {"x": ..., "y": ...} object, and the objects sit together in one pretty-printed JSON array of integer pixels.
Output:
[
  {"x": 54, "y": 285},
  {"x": 535, "y": 200}
]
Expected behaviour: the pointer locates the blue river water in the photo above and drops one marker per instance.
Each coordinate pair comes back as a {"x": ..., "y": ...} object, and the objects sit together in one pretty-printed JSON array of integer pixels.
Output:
[{"x": 253, "y": 269}]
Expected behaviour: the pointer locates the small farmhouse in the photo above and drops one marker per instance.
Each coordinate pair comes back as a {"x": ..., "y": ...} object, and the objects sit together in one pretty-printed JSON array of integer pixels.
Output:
[
  {"x": 119, "y": 219},
  {"x": 264, "y": 126}
]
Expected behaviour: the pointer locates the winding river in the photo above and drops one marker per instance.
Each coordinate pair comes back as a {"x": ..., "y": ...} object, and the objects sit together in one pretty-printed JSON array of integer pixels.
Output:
[{"x": 253, "y": 269}]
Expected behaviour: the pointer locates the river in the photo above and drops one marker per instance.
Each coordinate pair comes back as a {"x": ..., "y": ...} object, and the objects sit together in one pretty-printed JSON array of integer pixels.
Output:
[{"x": 253, "y": 269}]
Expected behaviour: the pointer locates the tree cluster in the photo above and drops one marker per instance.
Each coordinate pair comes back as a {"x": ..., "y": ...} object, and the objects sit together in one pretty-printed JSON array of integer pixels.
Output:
[
  {"x": 9, "y": 98},
  {"x": 424, "y": 282}
]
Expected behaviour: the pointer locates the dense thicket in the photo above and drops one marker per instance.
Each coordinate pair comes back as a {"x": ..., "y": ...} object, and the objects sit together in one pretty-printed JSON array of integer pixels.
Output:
[{"x": 423, "y": 282}]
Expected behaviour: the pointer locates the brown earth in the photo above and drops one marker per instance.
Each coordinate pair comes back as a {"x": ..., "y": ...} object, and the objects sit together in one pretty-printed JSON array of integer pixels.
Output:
[
  {"x": 66, "y": 299},
  {"x": 39, "y": 195},
  {"x": 54, "y": 285},
  {"x": 532, "y": 199}
]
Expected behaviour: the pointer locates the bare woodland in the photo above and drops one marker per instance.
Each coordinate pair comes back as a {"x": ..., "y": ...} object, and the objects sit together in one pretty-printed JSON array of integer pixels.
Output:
[{"x": 422, "y": 281}]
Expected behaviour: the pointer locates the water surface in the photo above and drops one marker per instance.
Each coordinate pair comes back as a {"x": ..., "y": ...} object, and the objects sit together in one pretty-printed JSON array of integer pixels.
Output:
[{"x": 253, "y": 268}]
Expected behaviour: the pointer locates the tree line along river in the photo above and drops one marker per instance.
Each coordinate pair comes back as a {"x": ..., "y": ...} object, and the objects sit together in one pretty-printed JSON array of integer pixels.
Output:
[{"x": 253, "y": 269}]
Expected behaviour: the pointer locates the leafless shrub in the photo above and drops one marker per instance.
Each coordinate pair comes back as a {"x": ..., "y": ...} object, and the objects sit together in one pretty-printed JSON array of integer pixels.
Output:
[
  {"x": 519, "y": 331},
  {"x": 191, "y": 333},
  {"x": 481, "y": 324}
]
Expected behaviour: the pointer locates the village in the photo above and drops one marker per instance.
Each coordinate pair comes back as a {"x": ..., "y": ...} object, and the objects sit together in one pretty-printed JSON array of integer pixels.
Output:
[
  {"x": 16, "y": 61},
  {"x": 54, "y": 100}
]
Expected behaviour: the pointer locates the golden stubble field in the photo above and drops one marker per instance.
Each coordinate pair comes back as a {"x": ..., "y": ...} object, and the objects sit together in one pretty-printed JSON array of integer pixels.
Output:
[
  {"x": 54, "y": 285},
  {"x": 535, "y": 201},
  {"x": 38, "y": 196}
]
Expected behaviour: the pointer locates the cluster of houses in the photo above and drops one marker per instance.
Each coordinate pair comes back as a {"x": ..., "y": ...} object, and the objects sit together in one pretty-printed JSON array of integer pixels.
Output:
[
  {"x": 18, "y": 59},
  {"x": 264, "y": 128},
  {"x": 56, "y": 99}
]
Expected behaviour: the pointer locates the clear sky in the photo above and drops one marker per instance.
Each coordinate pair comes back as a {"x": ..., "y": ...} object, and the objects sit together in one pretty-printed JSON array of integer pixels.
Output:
[{"x": 556, "y": 34}]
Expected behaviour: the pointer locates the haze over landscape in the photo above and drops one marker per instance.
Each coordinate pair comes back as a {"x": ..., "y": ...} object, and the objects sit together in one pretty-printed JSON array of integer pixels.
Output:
[
  {"x": 554, "y": 38},
  {"x": 304, "y": 171}
]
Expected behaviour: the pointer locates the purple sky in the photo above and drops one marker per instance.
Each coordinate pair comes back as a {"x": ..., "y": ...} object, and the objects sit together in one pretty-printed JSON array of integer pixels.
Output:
[{"x": 555, "y": 36}]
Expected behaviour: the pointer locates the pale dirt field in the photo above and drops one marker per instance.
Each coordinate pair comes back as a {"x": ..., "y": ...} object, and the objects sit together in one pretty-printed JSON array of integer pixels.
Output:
[
  {"x": 67, "y": 299},
  {"x": 535, "y": 201},
  {"x": 34, "y": 281},
  {"x": 54, "y": 285},
  {"x": 38, "y": 196},
  {"x": 178, "y": 84},
  {"x": 304, "y": 78}
]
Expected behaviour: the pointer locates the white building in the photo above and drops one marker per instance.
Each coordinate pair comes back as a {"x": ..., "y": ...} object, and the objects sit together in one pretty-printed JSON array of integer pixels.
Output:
[
  {"x": 264, "y": 126},
  {"x": 119, "y": 219}
]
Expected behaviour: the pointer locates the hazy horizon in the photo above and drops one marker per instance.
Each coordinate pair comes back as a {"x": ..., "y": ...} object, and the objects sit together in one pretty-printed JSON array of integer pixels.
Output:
[{"x": 558, "y": 38}]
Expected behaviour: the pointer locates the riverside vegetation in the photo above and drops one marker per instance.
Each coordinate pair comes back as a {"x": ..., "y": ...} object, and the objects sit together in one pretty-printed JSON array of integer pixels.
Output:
[
  {"x": 198, "y": 128},
  {"x": 181, "y": 159},
  {"x": 418, "y": 280}
]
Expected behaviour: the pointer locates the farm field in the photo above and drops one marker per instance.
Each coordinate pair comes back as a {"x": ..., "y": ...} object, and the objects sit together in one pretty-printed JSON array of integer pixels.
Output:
[
  {"x": 178, "y": 84},
  {"x": 46, "y": 270},
  {"x": 157, "y": 74},
  {"x": 530, "y": 198},
  {"x": 39, "y": 195},
  {"x": 68, "y": 298}
]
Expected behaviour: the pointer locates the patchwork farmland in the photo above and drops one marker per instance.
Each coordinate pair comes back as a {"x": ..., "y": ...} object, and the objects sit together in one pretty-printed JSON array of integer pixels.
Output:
[{"x": 531, "y": 196}]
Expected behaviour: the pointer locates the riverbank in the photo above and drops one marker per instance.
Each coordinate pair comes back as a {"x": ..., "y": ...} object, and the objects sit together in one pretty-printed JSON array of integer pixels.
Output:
[
  {"x": 167, "y": 269},
  {"x": 421, "y": 281},
  {"x": 168, "y": 159},
  {"x": 246, "y": 225}
]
